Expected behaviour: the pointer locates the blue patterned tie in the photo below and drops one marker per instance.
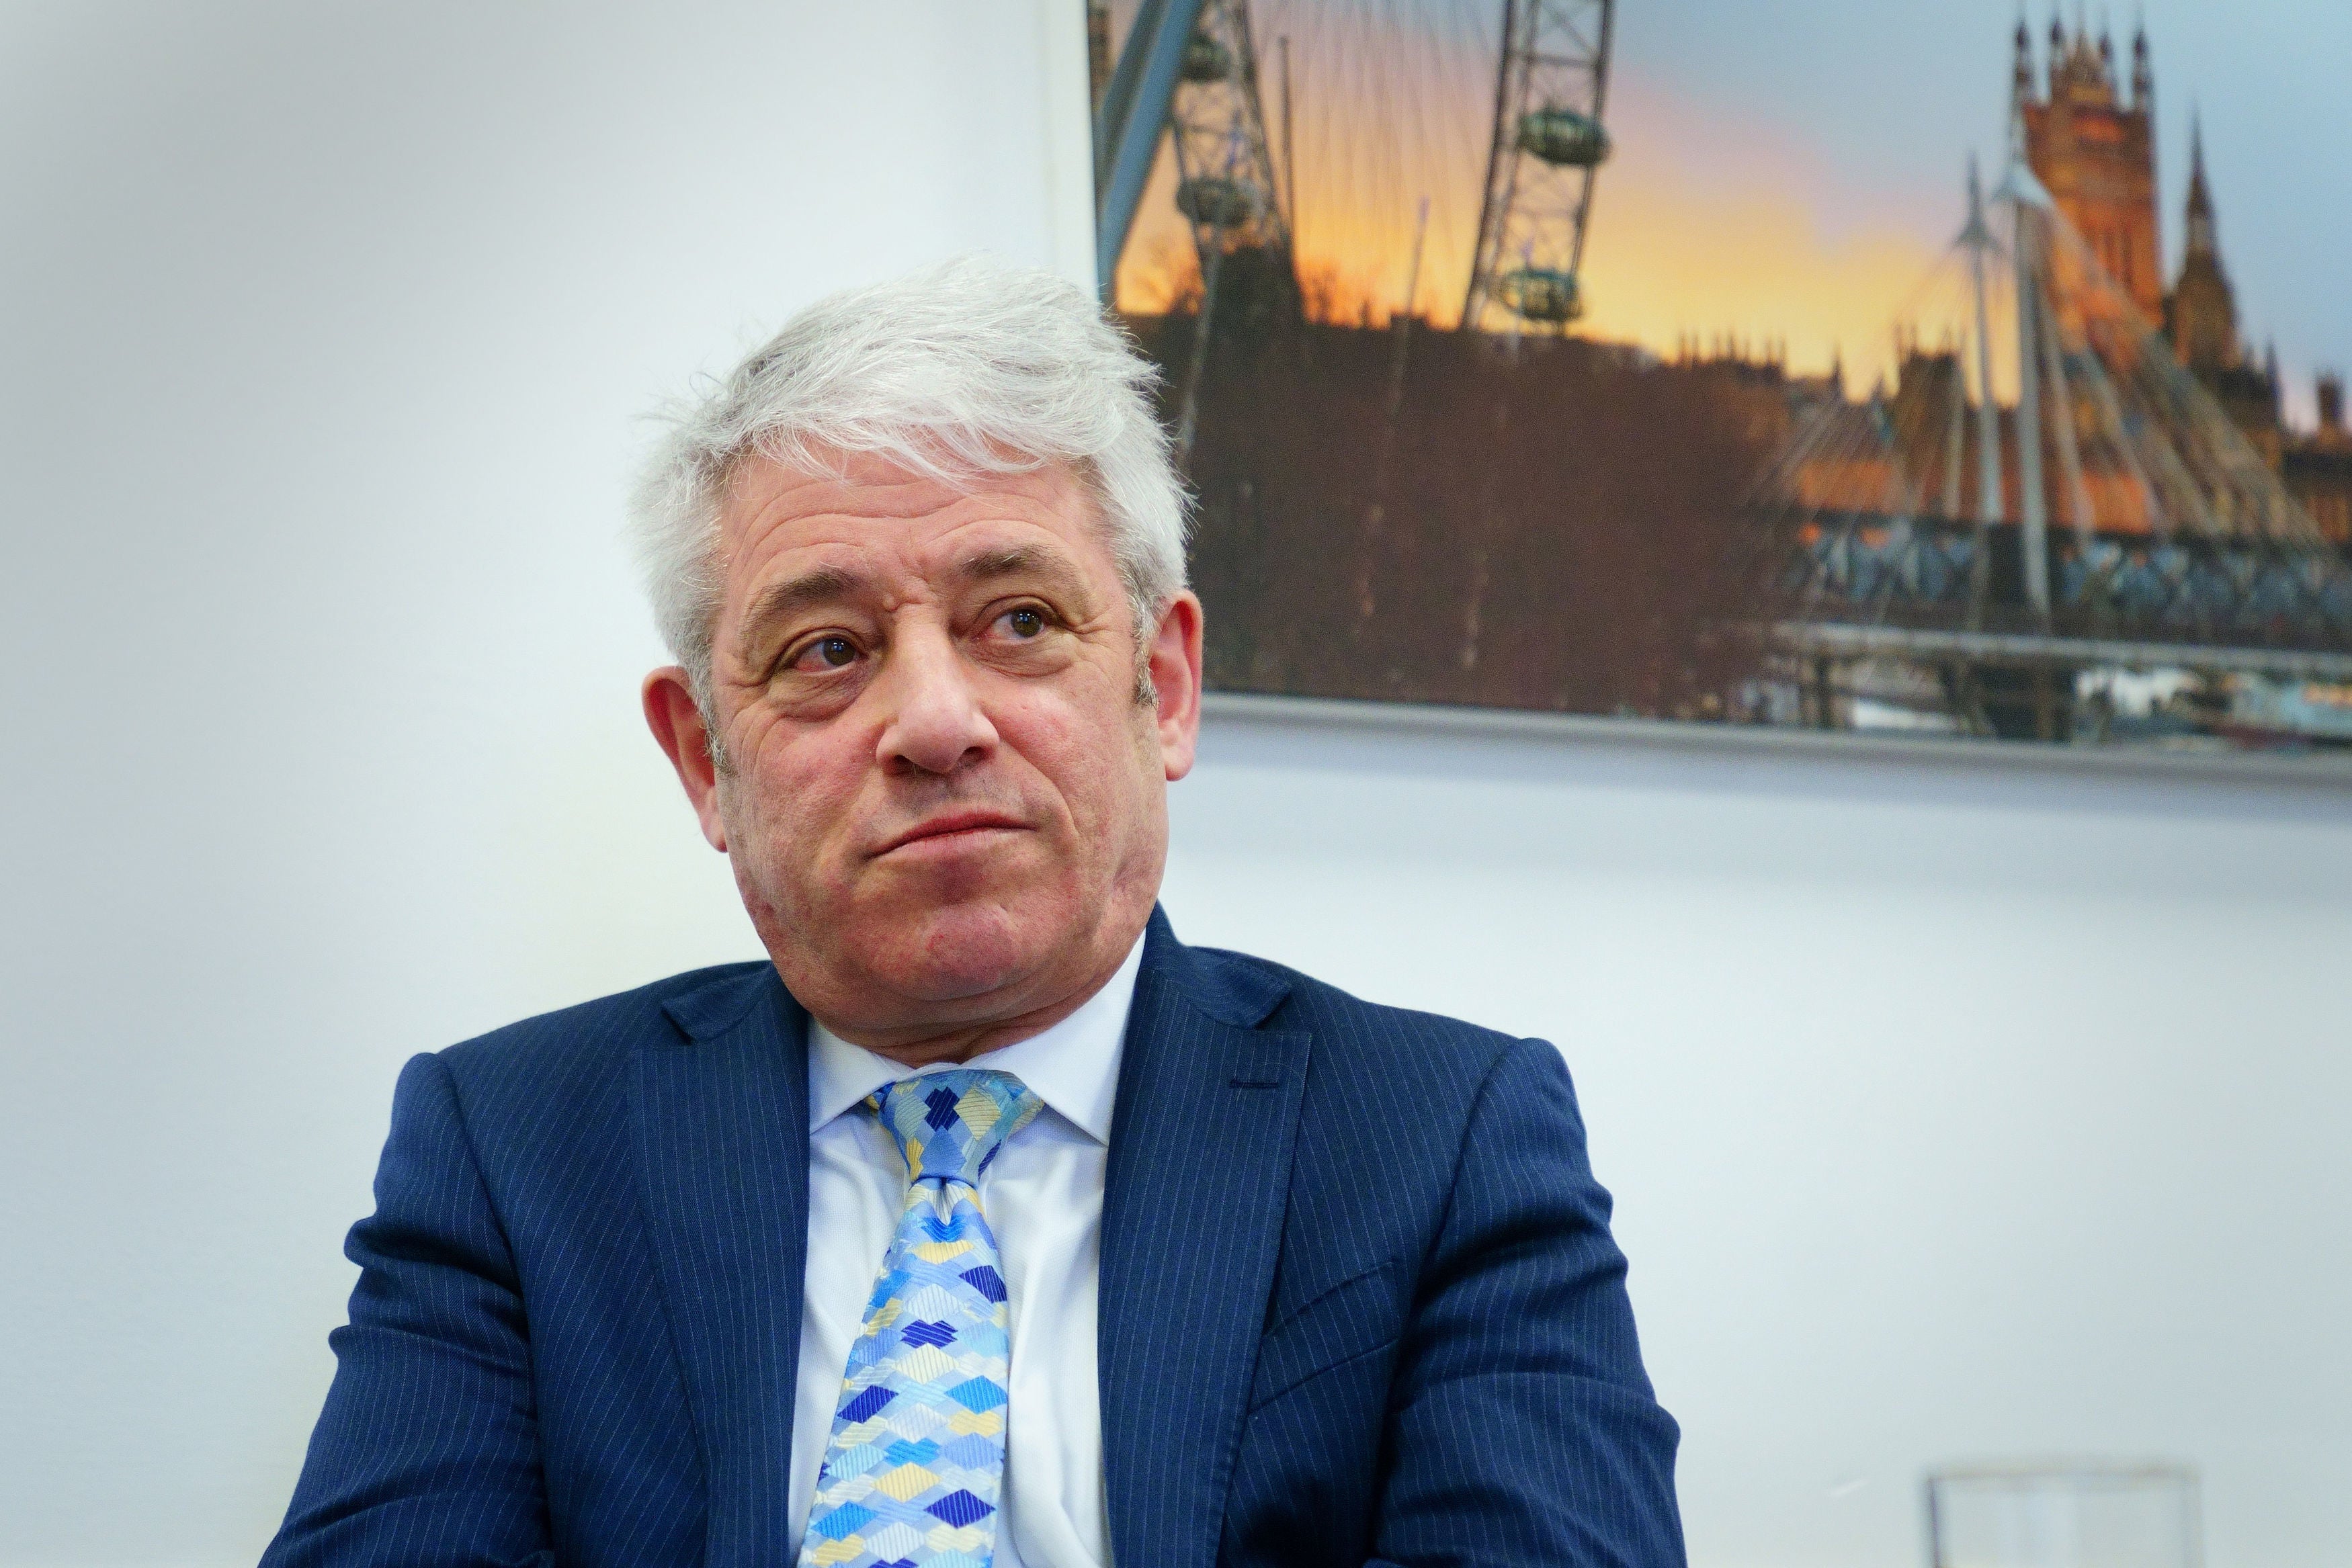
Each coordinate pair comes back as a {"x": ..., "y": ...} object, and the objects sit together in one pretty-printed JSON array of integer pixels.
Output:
[{"x": 916, "y": 1462}]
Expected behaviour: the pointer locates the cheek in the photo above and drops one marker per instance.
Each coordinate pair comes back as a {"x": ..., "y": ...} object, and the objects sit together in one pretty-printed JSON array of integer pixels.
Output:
[
  {"x": 1092, "y": 758},
  {"x": 799, "y": 793}
]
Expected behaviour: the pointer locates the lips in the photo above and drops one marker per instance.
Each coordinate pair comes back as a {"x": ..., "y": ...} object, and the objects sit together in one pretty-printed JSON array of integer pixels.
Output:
[{"x": 949, "y": 824}]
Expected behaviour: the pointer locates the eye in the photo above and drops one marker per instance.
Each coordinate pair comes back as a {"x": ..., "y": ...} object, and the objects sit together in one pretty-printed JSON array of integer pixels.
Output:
[
  {"x": 826, "y": 653},
  {"x": 1024, "y": 622}
]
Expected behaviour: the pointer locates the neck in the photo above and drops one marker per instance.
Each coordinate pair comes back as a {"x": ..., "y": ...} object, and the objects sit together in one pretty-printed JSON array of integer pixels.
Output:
[
  {"x": 961, "y": 1045},
  {"x": 923, "y": 1045}
]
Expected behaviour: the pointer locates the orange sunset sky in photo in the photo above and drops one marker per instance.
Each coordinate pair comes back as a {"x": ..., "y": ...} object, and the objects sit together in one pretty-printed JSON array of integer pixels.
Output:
[
  {"x": 1685, "y": 240},
  {"x": 1789, "y": 177}
]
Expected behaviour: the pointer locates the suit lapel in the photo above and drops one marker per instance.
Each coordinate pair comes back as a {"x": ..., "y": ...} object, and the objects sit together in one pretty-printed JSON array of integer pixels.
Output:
[
  {"x": 1192, "y": 1211},
  {"x": 722, "y": 1137}
]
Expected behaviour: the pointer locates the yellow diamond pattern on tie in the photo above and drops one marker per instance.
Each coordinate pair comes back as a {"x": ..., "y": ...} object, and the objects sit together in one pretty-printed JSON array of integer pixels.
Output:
[
  {"x": 978, "y": 1112},
  {"x": 976, "y": 1422},
  {"x": 905, "y": 1481},
  {"x": 941, "y": 1251}
]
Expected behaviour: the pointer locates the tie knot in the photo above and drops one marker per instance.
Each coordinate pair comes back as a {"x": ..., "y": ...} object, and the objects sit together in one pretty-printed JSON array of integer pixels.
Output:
[{"x": 949, "y": 1125}]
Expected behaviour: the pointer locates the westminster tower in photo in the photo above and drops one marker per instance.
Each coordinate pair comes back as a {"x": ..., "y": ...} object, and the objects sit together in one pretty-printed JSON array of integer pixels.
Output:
[{"x": 2090, "y": 139}]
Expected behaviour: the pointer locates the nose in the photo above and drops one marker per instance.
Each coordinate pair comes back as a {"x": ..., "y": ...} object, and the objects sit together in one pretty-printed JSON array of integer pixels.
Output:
[{"x": 936, "y": 723}]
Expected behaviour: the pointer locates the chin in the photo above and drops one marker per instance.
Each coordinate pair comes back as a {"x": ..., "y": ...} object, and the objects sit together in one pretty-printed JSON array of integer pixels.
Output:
[{"x": 946, "y": 953}]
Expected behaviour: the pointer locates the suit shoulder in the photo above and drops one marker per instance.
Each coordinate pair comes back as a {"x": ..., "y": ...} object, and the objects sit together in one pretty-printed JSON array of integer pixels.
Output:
[
  {"x": 590, "y": 1035},
  {"x": 1374, "y": 1031}
]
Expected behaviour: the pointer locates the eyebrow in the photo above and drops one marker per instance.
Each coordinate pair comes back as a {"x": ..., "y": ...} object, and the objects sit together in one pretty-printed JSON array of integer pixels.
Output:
[
  {"x": 833, "y": 584},
  {"x": 781, "y": 602},
  {"x": 1024, "y": 561}
]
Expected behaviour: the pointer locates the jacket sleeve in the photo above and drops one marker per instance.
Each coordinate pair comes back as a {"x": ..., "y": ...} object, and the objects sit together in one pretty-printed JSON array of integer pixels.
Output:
[
  {"x": 1522, "y": 1430},
  {"x": 427, "y": 1452}
]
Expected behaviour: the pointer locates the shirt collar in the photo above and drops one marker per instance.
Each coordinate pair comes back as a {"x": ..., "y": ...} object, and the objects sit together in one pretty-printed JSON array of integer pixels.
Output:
[{"x": 1072, "y": 1067}]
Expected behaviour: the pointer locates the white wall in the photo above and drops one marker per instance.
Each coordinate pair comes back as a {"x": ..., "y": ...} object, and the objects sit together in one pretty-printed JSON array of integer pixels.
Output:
[
  {"x": 1951, "y": 1114},
  {"x": 324, "y": 335}
]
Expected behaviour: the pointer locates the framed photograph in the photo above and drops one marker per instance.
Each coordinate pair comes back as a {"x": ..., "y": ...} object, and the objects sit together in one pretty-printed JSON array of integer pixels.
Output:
[{"x": 1883, "y": 368}]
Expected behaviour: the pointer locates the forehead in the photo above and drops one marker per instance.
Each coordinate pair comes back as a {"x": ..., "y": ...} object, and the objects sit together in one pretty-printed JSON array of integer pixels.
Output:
[{"x": 872, "y": 506}]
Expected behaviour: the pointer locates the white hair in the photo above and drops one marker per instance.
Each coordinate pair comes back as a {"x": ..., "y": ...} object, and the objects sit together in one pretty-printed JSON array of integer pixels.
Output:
[{"x": 970, "y": 368}]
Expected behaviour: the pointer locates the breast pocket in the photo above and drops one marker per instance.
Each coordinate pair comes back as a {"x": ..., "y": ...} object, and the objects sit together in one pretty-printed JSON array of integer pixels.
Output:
[{"x": 1359, "y": 1316}]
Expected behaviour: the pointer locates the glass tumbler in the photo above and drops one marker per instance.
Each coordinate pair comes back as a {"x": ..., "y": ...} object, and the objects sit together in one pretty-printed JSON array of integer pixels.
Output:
[{"x": 2087, "y": 1515}]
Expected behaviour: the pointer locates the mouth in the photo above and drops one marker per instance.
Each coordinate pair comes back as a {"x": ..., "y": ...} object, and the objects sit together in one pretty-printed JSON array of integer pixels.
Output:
[{"x": 953, "y": 830}]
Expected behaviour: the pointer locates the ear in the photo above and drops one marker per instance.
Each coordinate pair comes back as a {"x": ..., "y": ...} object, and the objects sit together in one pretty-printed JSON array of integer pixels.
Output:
[
  {"x": 678, "y": 727},
  {"x": 1175, "y": 667}
]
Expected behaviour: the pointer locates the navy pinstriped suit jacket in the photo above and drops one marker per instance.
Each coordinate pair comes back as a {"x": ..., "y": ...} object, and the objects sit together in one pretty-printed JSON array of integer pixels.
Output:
[{"x": 1359, "y": 1299}]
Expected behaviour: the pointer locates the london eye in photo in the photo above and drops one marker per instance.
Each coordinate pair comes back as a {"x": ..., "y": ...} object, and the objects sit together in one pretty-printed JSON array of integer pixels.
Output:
[{"x": 1482, "y": 121}]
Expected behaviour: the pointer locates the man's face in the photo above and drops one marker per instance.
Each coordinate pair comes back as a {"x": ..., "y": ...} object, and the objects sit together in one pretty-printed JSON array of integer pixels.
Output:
[{"x": 944, "y": 802}]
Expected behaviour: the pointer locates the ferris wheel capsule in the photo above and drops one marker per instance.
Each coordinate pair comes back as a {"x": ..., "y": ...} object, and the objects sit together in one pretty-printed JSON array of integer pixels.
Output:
[
  {"x": 1563, "y": 137},
  {"x": 1205, "y": 59},
  {"x": 1541, "y": 164},
  {"x": 1216, "y": 201},
  {"x": 1540, "y": 294}
]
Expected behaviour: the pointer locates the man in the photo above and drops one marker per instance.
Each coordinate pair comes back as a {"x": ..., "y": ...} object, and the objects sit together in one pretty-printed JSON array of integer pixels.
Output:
[{"x": 986, "y": 1222}]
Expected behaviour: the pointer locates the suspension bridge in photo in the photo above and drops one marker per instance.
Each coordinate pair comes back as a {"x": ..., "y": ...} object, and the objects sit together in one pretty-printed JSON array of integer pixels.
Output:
[{"x": 2107, "y": 515}]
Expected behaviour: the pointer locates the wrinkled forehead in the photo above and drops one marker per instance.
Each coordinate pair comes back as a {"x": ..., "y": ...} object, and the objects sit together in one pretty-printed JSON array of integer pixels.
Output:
[
  {"x": 866, "y": 503},
  {"x": 763, "y": 493}
]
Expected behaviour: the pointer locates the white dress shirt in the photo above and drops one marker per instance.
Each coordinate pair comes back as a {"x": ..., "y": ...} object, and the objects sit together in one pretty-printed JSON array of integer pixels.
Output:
[{"x": 1043, "y": 1196}]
